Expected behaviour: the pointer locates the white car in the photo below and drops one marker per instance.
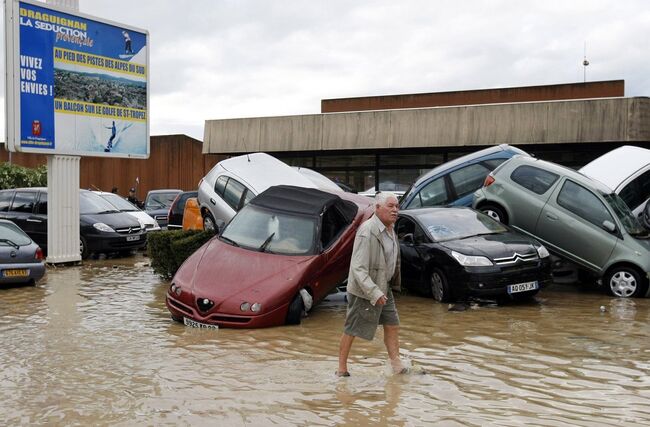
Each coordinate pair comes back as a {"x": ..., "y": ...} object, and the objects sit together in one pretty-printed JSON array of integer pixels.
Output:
[
  {"x": 397, "y": 189},
  {"x": 626, "y": 170},
  {"x": 233, "y": 182},
  {"x": 320, "y": 181},
  {"x": 124, "y": 205}
]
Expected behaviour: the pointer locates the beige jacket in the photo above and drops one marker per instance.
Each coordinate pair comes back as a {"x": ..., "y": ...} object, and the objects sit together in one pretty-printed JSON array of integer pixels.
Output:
[{"x": 367, "y": 278}]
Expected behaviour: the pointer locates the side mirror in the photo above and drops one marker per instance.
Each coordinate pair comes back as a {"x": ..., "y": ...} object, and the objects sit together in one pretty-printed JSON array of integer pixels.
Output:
[
  {"x": 645, "y": 215},
  {"x": 609, "y": 226},
  {"x": 408, "y": 239},
  {"x": 220, "y": 223}
]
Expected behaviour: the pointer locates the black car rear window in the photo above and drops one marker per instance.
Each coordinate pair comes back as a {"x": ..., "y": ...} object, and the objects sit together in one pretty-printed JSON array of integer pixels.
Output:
[
  {"x": 535, "y": 179},
  {"x": 5, "y": 200},
  {"x": 24, "y": 201}
]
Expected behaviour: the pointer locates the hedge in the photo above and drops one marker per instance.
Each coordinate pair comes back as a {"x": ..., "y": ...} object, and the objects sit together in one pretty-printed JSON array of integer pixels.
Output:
[
  {"x": 14, "y": 176},
  {"x": 169, "y": 249}
]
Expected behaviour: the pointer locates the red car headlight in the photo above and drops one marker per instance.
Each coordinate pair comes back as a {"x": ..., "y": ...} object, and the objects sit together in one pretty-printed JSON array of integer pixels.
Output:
[{"x": 176, "y": 289}]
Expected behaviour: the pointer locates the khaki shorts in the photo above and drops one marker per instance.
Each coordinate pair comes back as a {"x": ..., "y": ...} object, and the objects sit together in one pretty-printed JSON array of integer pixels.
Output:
[{"x": 363, "y": 318}]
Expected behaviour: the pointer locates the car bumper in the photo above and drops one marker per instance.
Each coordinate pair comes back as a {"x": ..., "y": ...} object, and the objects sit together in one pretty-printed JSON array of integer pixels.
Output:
[
  {"x": 494, "y": 281},
  {"x": 113, "y": 242},
  {"x": 179, "y": 310},
  {"x": 35, "y": 271}
]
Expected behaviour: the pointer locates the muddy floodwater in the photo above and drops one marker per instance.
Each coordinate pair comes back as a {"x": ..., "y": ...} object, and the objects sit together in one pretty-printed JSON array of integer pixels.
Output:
[{"x": 94, "y": 345}]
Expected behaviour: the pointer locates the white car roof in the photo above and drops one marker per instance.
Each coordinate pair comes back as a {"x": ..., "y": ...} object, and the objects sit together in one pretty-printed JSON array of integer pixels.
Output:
[
  {"x": 320, "y": 181},
  {"x": 261, "y": 171},
  {"x": 616, "y": 166}
]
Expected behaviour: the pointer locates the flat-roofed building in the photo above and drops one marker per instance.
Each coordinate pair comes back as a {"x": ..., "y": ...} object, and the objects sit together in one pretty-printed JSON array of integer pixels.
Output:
[{"x": 373, "y": 140}]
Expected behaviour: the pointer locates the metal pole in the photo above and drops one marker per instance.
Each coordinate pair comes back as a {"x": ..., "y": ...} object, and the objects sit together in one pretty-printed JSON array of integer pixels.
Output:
[{"x": 63, "y": 236}]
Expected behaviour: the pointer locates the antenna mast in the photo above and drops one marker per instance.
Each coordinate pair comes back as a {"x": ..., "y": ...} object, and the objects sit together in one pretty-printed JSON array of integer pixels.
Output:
[{"x": 584, "y": 64}]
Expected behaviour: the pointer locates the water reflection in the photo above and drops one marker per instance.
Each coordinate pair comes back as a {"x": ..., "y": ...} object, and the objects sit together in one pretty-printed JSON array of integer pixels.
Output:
[{"x": 95, "y": 345}]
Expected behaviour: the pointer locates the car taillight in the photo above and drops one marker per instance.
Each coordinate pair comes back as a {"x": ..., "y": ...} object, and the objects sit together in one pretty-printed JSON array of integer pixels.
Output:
[
  {"x": 39, "y": 254},
  {"x": 489, "y": 180}
]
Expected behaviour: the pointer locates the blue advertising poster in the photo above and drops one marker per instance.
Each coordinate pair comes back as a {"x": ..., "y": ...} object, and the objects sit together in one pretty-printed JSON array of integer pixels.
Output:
[{"x": 82, "y": 85}]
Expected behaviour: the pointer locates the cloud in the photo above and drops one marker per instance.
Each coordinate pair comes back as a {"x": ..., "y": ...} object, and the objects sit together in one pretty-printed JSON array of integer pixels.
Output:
[{"x": 227, "y": 59}]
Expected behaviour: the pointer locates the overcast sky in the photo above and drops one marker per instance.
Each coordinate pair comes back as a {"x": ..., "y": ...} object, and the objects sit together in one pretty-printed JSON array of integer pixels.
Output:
[{"x": 216, "y": 59}]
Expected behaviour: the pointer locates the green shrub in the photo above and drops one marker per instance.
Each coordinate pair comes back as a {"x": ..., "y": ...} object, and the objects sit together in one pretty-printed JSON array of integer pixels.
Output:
[
  {"x": 169, "y": 249},
  {"x": 14, "y": 176}
]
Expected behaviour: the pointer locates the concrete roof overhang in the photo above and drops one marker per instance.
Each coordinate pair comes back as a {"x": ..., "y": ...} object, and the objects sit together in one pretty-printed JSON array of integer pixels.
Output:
[{"x": 550, "y": 122}]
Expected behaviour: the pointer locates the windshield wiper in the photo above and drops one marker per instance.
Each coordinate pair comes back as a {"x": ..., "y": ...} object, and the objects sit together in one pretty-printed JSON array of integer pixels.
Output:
[
  {"x": 10, "y": 243},
  {"x": 227, "y": 240},
  {"x": 262, "y": 248}
]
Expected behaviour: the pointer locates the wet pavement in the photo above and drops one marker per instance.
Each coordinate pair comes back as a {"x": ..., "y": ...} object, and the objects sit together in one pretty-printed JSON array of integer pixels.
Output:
[{"x": 94, "y": 345}]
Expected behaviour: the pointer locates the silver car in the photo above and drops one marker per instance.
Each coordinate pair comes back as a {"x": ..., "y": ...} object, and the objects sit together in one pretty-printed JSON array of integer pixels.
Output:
[
  {"x": 233, "y": 182},
  {"x": 21, "y": 260},
  {"x": 574, "y": 216}
]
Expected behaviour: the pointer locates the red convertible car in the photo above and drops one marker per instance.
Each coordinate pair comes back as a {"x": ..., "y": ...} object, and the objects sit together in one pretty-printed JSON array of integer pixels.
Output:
[{"x": 251, "y": 275}]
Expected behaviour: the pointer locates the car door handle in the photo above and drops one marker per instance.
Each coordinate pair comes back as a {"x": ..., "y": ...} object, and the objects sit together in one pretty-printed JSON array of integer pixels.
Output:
[
  {"x": 33, "y": 220},
  {"x": 551, "y": 217},
  {"x": 213, "y": 202}
]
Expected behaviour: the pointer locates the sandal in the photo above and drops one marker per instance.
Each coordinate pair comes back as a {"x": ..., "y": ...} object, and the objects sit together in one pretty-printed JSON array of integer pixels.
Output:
[{"x": 342, "y": 374}]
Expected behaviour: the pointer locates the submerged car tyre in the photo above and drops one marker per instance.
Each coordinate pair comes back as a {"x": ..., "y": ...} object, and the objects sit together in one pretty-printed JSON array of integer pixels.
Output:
[
  {"x": 440, "y": 287},
  {"x": 83, "y": 248},
  {"x": 625, "y": 282},
  {"x": 209, "y": 223},
  {"x": 495, "y": 212},
  {"x": 294, "y": 314}
]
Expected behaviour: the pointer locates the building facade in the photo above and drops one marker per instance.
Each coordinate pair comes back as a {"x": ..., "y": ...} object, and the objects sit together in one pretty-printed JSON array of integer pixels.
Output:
[{"x": 389, "y": 141}]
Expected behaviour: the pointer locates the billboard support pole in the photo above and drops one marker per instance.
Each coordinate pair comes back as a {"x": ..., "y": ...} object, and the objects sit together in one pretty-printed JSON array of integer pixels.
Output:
[
  {"x": 63, "y": 209},
  {"x": 63, "y": 196}
]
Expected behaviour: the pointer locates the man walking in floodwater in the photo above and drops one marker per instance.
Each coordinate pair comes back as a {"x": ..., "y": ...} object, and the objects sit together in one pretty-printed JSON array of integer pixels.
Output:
[{"x": 374, "y": 274}]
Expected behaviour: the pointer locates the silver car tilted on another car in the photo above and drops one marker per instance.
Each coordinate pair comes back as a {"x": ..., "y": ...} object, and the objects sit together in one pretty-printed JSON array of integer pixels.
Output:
[
  {"x": 574, "y": 216},
  {"x": 233, "y": 182}
]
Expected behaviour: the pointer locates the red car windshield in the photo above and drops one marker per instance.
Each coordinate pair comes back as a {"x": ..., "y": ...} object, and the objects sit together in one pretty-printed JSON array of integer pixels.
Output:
[{"x": 264, "y": 230}]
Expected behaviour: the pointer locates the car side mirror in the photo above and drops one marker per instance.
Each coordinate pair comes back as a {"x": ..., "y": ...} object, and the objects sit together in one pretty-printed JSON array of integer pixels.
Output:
[
  {"x": 408, "y": 239},
  {"x": 220, "y": 223},
  {"x": 645, "y": 216},
  {"x": 609, "y": 226}
]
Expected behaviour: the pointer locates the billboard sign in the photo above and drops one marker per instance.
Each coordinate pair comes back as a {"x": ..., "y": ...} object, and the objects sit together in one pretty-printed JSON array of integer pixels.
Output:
[{"x": 75, "y": 84}]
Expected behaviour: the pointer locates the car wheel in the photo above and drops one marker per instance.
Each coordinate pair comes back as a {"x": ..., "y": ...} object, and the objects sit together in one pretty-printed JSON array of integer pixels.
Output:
[
  {"x": 440, "y": 287},
  {"x": 209, "y": 223},
  {"x": 495, "y": 212},
  {"x": 294, "y": 314},
  {"x": 625, "y": 282},
  {"x": 83, "y": 248}
]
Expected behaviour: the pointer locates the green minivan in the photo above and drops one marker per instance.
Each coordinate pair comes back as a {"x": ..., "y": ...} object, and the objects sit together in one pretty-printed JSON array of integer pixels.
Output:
[{"x": 574, "y": 216}]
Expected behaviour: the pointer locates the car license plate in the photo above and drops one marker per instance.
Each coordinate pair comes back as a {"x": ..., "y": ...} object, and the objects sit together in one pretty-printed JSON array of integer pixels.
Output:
[
  {"x": 132, "y": 238},
  {"x": 522, "y": 287},
  {"x": 15, "y": 273},
  {"x": 194, "y": 324}
]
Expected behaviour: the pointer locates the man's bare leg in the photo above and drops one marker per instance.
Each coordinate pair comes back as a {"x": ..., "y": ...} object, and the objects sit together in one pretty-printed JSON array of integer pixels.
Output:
[
  {"x": 391, "y": 340},
  {"x": 344, "y": 352}
]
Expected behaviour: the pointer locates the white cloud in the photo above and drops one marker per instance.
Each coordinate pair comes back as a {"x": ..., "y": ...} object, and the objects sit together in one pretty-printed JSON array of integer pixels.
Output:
[{"x": 228, "y": 58}]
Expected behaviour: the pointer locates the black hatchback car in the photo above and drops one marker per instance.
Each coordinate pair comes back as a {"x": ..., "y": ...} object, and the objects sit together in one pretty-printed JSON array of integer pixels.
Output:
[
  {"x": 455, "y": 253},
  {"x": 103, "y": 229}
]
